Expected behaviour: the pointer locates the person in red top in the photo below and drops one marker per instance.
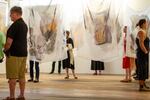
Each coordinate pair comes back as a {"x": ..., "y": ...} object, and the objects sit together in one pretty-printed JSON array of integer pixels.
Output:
[{"x": 126, "y": 59}]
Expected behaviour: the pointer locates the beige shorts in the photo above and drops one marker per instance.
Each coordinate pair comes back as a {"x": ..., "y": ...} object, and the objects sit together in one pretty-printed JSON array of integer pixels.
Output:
[{"x": 15, "y": 67}]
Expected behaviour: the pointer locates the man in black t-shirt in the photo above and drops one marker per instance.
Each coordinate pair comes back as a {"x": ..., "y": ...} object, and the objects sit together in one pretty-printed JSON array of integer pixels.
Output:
[{"x": 16, "y": 53}]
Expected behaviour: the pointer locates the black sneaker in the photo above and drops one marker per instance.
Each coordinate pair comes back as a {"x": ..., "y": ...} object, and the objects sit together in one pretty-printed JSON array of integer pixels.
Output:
[
  {"x": 36, "y": 81},
  {"x": 30, "y": 80},
  {"x": 51, "y": 73}
]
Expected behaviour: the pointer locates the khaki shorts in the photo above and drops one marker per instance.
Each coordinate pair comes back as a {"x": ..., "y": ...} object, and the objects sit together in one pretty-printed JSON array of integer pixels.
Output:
[{"x": 15, "y": 67}]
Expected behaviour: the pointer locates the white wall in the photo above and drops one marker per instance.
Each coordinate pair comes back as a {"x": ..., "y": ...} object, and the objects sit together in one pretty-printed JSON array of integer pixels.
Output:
[{"x": 82, "y": 66}]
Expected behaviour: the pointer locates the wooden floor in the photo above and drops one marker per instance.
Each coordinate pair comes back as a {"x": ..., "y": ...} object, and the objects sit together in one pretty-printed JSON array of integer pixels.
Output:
[{"x": 87, "y": 87}]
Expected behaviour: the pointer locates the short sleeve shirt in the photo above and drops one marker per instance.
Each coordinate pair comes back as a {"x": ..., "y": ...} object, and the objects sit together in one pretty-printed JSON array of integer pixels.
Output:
[{"x": 18, "y": 32}]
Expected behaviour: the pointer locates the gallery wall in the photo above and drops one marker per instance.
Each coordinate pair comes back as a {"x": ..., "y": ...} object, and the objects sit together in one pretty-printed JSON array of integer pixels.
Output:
[{"x": 83, "y": 64}]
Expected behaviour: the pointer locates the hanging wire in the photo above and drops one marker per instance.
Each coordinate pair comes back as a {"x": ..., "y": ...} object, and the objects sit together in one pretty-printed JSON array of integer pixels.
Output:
[
  {"x": 49, "y": 5},
  {"x": 108, "y": 13},
  {"x": 84, "y": 19},
  {"x": 90, "y": 13}
]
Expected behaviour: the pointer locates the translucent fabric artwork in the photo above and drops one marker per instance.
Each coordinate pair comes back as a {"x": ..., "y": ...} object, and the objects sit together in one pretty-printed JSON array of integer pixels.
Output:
[
  {"x": 45, "y": 34},
  {"x": 102, "y": 29},
  {"x": 95, "y": 27},
  {"x": 3, "y": 16}
]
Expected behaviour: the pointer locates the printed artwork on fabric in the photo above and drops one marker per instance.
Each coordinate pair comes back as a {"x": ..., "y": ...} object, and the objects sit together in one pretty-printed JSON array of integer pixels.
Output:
[
  {"x": 48, "y": 28},
  {"x": 3, "y": 8},
  {"x": 102, "y": 29},
  {"x": 42, "y": 33}
]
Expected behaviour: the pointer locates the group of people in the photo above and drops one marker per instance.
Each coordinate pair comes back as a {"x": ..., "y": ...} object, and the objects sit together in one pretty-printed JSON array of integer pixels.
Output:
[
  {"x": 15, "y": 49},
  {"x": 136, "y": 54},
  {"x": 96, "y": 66}
]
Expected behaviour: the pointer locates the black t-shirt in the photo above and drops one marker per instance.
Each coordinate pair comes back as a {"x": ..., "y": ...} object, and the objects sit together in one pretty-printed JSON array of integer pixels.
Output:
[{"x": 18, "y": 32}]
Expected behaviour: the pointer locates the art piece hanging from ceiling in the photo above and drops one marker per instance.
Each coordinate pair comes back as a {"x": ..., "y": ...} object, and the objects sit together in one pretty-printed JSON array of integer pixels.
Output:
[
  {"x": 3, "y": 16},
  {"x": 95, "y": 29},
  {"x": 101, "y": 35},
  {"x": 45, "y": 34}
]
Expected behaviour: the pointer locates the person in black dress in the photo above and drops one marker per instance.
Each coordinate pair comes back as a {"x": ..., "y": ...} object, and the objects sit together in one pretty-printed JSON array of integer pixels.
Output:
[
  {"x": 69, "y": 61},
  {"x": 142, "y": 42},
  {"x": 97, "y": 66}
]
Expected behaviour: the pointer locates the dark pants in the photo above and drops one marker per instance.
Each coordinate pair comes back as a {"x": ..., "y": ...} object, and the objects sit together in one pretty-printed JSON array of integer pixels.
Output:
[
  {"x": 59, "y": 67},
  {"x": 32, "y": 69}
]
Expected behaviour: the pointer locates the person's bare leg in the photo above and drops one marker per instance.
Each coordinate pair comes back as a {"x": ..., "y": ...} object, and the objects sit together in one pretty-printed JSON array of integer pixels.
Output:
[
  {"x": 22, "y": 87},
  {"x": 141, "y": 84},
  {"x": 132, "y": 64},
  {"x": 129, "y": 75},
  {"x": 67, "y": 73},
  {"x": 100, "y": 72},
  {"x": 95, "y": 72},
  {"x": 74, "y": 75},
  {"x": 12, "y": 86},
  {"x": 126, "y": 76}
]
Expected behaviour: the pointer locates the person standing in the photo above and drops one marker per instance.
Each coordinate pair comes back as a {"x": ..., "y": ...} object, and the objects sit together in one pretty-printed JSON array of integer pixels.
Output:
[
  {"x": 2, "y": 43},
  {"x": 69, "y": 61},
  {"x": 142, "y": 42},
  {"x": 53, "y": 67},
  {"x": 34, "y": 63},
  {"x": 126, "y": 59},
  {"x": 97, "y": 66},
  {"x": 16, "y": 53},
  {"x": 36, "y": 47}
]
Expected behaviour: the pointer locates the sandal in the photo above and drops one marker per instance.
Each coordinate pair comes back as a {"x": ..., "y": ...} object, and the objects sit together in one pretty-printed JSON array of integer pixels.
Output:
[
  {"x": 95, "y": 74},
  {"x": 8, "y": 98},
  {"x": 20, "y": 98},
  {"x": 75, "y": 77},
  {"x": 67, "y": 77},
  {"x": 130, "y": 80},
  {"x": 124, "y": 81}
]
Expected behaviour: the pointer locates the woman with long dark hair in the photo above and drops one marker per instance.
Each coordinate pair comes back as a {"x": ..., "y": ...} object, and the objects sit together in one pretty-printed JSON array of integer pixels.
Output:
[{"x": 142, "y": 42}]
